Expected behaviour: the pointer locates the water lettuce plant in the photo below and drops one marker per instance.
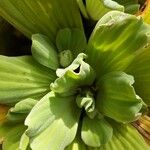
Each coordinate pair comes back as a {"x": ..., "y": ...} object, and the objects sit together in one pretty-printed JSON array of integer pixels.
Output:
[{"x": 75, "y": 92}]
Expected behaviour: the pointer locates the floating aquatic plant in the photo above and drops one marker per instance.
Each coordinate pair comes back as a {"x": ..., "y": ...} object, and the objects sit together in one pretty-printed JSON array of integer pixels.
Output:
[{"x": 75, "y": 92}]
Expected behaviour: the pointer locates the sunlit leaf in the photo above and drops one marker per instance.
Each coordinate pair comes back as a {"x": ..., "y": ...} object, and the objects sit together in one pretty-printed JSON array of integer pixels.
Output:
[
  {"x": 125, "y": 138},
  {"x": 77, "y": 143},
  {"x": 115, "y": 40},
  {"x": 24, "y": 142},
  {"x": 41, "y": 16},
  {"x": 54, "y": 119}
]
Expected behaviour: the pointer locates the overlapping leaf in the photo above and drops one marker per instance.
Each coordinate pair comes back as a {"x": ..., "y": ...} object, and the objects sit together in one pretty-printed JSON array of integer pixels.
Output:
[
  {"x": 20, "y": 111},
  {"x": 131, "y": 6},
  {"x": 115, "y": 40},
  {"x": 22, "y": 77},
  {"x": 71, "y": 39},
  {"x": 79, "y": 73},
  {"x": 11, "y": 134},
  {"x": 125, "y": 137},
  {"x": 50, "y": 117},
  {"x": 96, "y": 132},
  {"x": 96, "y": 9},
  {"x": 41, "y": 16},
  {"x": 44, "y": 51},
  {"x": 140, "y": 69},
  {"x": 117, "y": 98}
]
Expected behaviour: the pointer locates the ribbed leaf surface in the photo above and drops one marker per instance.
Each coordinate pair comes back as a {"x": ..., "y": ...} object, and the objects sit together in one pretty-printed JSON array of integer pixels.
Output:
[
  {"x": 41, "y": 16},
  {"x": 22, "y": 78}
]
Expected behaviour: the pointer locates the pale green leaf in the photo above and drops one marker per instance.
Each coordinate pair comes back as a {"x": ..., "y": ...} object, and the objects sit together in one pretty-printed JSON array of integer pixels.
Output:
[
  {"x": 86, "y": 100},
  {"x": 79, "y": 73},
  {"x": 117, "y": 98},
  {"x": 71, "y": 39},
  {"x": 77, "y": 144},
  {"x": 115, "y": 40},
  {"x": 44, "y": 51},
  {"x": 140, "y": 69},
  {"x": 41, "y": 16},
  {"x": 96, "y": 132},
  {"x": 54, "y": 119},
  {"x": 125, "y": 138},
  {"x": 22, "y": 78},
  {"x": 21, "y": 110},
  {"x": 24, "y": 142}
]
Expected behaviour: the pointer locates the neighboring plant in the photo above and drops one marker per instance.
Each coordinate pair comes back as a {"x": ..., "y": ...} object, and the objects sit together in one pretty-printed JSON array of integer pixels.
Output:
[
  {"x": 75, "y": 92},
  {"x": 96, "y": 9}
]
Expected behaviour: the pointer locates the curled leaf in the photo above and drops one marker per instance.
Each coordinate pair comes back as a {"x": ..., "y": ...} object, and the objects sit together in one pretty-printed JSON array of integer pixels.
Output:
[
  {"x": 79, "y": 73},
  {"x": 117, "y": 98}
]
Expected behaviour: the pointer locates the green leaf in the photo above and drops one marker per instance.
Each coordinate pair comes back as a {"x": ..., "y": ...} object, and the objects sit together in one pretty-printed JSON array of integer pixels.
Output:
[
  {"x": 125, "y": 138},
  {"x": 74, "y": 40},
  {"x": 77, "y": 74},
  {"x": 54, "y": 119},
  {"x": 140, "y": 69},
  {"x": 96, "y": 132},
  {"x": 117, "y": 98},
  {"x": 24, "y": 142},
  {"x": 21, "y": 110},
  {"x": 131, "y": 6},
  {"x": 96, "y": 9},
  {"x": 11, "y": 134},
  {"x": 22, "y": 78},
  {"x": 115, "y": 40},
  {"x": 77, "y": 144},
  {"x": 41, "y": 16},
  {"x": 82, "y": 8},
  {"x": 86, "y": 100},
  {"x": 44, "y": 51}
]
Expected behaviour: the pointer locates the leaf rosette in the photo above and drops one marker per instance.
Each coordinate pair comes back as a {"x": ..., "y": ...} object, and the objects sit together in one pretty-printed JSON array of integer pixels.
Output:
[{"x": 72, "y": 94}]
